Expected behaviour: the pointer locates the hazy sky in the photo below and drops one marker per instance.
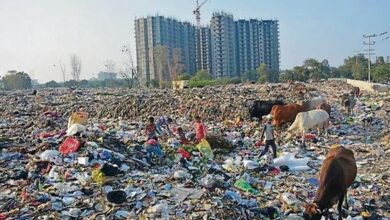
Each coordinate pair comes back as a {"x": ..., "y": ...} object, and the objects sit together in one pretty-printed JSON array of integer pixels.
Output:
[{"x": 36, "y": 34}]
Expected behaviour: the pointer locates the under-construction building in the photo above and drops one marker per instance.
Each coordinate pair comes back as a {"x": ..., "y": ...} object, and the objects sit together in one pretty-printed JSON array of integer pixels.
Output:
[{"x": 225, "y": 48}]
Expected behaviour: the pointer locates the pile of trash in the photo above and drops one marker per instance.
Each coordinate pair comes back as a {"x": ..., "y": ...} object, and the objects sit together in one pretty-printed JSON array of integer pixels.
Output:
[{"x": 84, "y": 154}]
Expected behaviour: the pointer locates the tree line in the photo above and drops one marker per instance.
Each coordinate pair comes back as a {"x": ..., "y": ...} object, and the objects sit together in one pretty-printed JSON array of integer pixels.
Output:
[{"x": 355, "y": 67}]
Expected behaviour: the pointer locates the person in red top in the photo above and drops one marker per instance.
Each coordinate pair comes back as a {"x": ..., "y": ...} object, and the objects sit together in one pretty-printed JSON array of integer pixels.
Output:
[
  {"x": 150, "y": 129},
  {"x": 200, "y": 130}
]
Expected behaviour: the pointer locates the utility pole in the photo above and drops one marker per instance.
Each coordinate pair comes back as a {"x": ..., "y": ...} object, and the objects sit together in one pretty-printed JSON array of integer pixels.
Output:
[{"x": 369, "y": 44}]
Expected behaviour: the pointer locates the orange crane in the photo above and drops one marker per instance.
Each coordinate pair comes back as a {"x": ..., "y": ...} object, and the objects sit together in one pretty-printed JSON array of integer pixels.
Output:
[{"x": 197, "y": 12}]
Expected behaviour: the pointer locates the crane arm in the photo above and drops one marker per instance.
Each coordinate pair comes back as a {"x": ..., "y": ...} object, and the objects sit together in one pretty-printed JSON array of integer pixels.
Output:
[{"x": 201, "y": 4}]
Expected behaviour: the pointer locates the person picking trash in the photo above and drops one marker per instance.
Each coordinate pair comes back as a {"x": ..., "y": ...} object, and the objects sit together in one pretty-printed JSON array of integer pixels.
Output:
[
  {"x": 269, "y": 138},
  {"x": 150, "y": 129},
  {"x": 153, "y": 148},
  {"x": 163, "y": 122},
  {"x": 200, "y": 129}
]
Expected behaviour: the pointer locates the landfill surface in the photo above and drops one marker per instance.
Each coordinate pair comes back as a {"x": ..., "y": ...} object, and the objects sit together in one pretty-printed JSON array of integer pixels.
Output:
[{"x": 98, "y": 169}]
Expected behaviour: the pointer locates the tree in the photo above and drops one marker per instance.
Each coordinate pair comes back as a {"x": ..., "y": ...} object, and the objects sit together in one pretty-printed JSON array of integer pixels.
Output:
[
  {"x": 290, "y": 75},
  {"x": 16, "y": 80},
  {"x": 70, "y": 83},
  {"x": 381, "y": 73},
  {"x": 63, "y": 71},
  {"x": 51, "y": 84},
  {"x": 129, "y": 73},
  {"x": 84, "y": 83},
  {"x": 161, "y": 63},
  {"x": 325, "y": 68},
  {"x": 184, "y": 76},
  {"x": 177, "y": 65},
  {"x": 110, "y": 66},
  {"x": 380, "y": 60},
  {"x": 250, "y": 75},
  {"x": 75, "y": 64},
  {"x": 313, "y": 69},
  {"x": 201, "y": 75},
  {"x": 263, "y": 73}
]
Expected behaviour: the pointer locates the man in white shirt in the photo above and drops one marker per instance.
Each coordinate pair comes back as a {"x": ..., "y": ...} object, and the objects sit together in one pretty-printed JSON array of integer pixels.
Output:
[{"x": 269, "y": 139}]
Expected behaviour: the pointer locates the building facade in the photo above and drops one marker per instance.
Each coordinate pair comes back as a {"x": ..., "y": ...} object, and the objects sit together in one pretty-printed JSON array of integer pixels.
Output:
[
  {"x": 258, "y": 43},
  {"x": 159, "y": 41},
  {"x": 223, "y": 45},
  {"x": 106, "y": 76},
  {"x": 225, "y": 48}
]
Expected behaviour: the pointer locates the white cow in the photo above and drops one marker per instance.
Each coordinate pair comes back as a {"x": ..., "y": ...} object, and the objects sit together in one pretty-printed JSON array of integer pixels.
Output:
[
  {"x": 312, "y": 103},
  {"x": 308, "y": 120}
]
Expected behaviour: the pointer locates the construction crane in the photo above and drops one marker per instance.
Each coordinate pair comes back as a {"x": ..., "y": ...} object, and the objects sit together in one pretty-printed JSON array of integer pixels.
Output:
[{"x": 197, "y": 12}]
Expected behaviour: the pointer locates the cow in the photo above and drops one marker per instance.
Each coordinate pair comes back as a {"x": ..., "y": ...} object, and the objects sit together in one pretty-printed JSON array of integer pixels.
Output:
[
  {"x": 324, "y": 106},
  {"x": 284, "y": 113},
  {"x": 259, "y": 108},
  {"x": 356, "y": 91},
  {"x": 337, "y": 173},
  {"x": 348, "y": 102},
  {"x": 304, "y": 121},
  {"x": 312, "y": 103}
]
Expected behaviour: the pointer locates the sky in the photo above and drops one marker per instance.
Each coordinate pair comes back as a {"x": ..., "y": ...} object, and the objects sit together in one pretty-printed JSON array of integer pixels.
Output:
[{"x": 36, "y": 35}]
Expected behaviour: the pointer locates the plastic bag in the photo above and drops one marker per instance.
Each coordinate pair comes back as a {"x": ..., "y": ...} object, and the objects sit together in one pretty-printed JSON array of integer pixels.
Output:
[
  {"x": 241, "y": 184},
  {"x": 78, "y": 118},
  {"x": 70, "y": 145},
  {"x": 74, "y": 129},
  {"x": 205, "y": 149},
  {"x": 49, "y": 154},
  {"x": 98, "y": 176}
]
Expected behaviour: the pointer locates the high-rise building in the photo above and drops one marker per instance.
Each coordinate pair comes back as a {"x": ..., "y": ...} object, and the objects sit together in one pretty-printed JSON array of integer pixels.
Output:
[
  {"x": 164, "y": 44},
  {"x": 223, "y": 45},
  {"x": 225, "y": 48},
  {"x": 204, "y": 51},
  {"x": 258, "y": 42}
]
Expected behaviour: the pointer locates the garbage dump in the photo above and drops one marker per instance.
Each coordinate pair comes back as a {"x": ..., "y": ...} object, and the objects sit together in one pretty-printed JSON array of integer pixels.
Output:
[{"x": 84, "y": 154}]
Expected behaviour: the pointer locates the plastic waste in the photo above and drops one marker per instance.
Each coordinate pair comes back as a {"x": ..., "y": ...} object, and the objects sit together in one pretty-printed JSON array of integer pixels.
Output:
[
  {"x": 117, "y": 196},
  {"x": 82, "y": 160},
  {"x": 49, "y": 154},
  {"x": 75, "y": 128},
  {"x": 78, "y": 118},
  {"x": 241, "y": 184},
  {"x": 208, "y": 181},
  {"x": 181, "y": 174},
  {"x": 70, "y": 145},
  {"x": 293, "y": 163},
  {"x": 205, "y": 149},
  {"x": 98, "y": 176},
  {"x": 250, "y": 164}
]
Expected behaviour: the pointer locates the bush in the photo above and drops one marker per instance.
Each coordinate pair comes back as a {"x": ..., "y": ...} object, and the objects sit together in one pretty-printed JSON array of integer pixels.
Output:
[
  {"x": 200, "y": 83},
  {"x": 235, "y": 80},
  {"x": 184, "y": 76}
]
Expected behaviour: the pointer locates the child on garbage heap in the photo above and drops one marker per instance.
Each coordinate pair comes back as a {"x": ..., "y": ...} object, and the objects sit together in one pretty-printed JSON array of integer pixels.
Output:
[
  {"x": 150, "y": 129},
  {"x": 153, "y": 148},
  {"x": 269, "y": 139},
  {"x": 181, "y": 135},
  {"x": 200, "y": 130},
  {"x": 163, "y": 122}
]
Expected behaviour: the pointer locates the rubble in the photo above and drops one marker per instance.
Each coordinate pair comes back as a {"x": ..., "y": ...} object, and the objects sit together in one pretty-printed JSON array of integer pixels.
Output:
[{"x": 83, "y": 154}]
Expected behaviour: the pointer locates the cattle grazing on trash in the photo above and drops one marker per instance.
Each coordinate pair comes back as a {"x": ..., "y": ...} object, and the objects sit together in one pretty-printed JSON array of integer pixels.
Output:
[
  {"x": 337, "y": 173},
  {"x": 260, "y": 108},
  {"x": 348, "y": 102},
  {"x": 312, "y": 103},
  {"x": 356, "y": 91},
  {"x": 304, "y": 121},
  {"x": 284, "y": 113},
  {"x": 325, "y": 106}
]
